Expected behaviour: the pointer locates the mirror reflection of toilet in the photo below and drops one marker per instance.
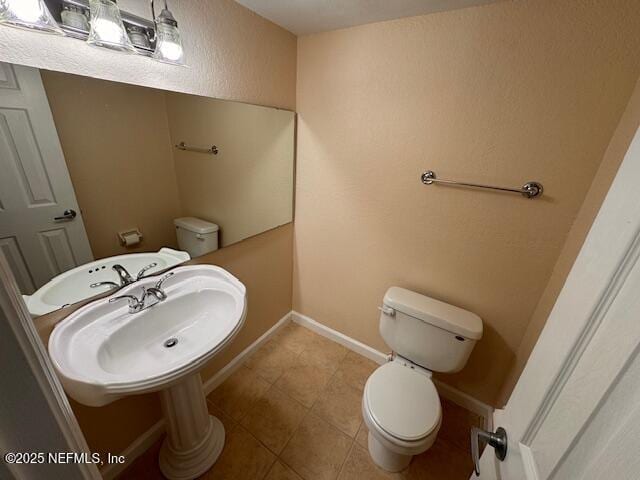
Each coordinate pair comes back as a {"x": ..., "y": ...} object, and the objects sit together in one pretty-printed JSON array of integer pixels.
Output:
[
  {"x": 196, "y": 236},
  {"x": 400, "y": 404}
]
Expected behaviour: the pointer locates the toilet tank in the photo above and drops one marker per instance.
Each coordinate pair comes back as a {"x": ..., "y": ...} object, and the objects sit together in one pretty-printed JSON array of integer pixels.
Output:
[
  {"x": 196, "y": 236},
  {"x": 428, "y": 332}
]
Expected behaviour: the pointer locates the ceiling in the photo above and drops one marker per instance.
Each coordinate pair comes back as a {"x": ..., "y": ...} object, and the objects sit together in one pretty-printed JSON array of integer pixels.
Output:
[{"x": 311, "y": 16}]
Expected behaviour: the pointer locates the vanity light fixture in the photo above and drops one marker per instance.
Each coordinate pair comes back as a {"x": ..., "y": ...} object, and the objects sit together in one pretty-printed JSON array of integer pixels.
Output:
[
  {"x": 29, "y": 14},
  {"x": 138, "y": 36},
  {"x": 74, "y": 17},
  {"x": 168, "y": 42},
  {"x": 107, "y": 29}
]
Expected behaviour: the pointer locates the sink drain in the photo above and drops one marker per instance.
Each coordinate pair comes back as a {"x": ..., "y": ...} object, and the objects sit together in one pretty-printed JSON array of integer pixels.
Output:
[{"x": 172, "y": 342}]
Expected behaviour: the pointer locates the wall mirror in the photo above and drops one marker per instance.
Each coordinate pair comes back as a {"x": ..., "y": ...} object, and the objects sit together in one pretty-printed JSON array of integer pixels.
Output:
[{"x": 99, "y": 174}]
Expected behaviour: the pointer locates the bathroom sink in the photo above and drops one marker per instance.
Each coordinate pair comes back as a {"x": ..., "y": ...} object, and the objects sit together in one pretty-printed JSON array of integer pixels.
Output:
[
  {"x": 107, "y": 350},
  {"x": 75, "y": 285},
  {"x": 102, "y": 352}
]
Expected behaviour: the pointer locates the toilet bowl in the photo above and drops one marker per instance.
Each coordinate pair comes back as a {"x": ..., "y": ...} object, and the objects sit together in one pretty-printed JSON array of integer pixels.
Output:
[
  {"x": 401, "y": 409},
  {"x": 400, "y": 404}
]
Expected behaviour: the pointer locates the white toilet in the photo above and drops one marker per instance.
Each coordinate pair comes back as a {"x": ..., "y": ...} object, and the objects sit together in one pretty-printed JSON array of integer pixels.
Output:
[
  {"x": 196, "y": 236},
  {"x": 400, "y": 404}
]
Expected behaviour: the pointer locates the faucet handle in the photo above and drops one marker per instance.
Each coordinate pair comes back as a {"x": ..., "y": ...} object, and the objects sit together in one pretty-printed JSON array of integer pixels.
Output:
[
  {"x": 162, "y": 279},
  {"x": 145, "y": 269},
  {"x": 134, "y": 303},
  {"x": 104, "y": 284}
]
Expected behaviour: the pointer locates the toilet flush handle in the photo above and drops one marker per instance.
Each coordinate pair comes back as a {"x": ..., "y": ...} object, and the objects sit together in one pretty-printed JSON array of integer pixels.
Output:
[{"x": 387, "y": 310}]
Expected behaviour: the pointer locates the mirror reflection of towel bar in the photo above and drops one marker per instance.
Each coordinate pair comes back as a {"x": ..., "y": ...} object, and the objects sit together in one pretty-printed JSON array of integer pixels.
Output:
[{"x": 213, "y": 150}]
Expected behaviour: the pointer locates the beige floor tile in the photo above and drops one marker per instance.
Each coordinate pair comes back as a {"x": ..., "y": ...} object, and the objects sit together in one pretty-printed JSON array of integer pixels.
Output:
[
  {"x": 340, "y": 405},
  {"x": 294, "y": 337},
  {"x": 271, "y": 361},
  {"x": 317, "y": 450},
  {"x": 236, "y": 394},
  {"x": 322, "y": 445},
  {"x": 226, "y": 420},
  {"x": 326, "y": 353},
  {"x": 305, "y": 380},
  {"x": 362, "y": 438},
  {"x": 243, "y": 457},
  {"x": 457, "y": 423},
  {"x": 273, "y": 418},
  {"x": 355, "y": 370},
  {"x": 359, "y": 466},
  {"x": 280, "y": 471},
  {"x": 442, "y": 461}
]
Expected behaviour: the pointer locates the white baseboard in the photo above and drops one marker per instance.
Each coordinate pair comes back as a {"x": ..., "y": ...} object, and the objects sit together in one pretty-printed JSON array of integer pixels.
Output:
[
  {"x": 133, "y": 451},
  {"x": 148, "y": 438},
  {"x": 450, "y": 393},
  {"x": 344, "y": 340},
  {"x": 211, "y": 384},
  {"x": 466, "y": 401}
]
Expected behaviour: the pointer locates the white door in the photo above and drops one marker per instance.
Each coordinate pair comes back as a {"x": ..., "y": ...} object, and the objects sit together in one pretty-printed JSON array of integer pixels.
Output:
[
  {"x": 35, "y": 186},
  {"x": 575, "y": 412}
]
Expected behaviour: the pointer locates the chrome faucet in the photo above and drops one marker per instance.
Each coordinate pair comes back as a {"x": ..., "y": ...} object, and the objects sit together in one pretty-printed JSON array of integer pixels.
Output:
[
  {"x": 124, "y": 276},
  {"x": 137, "y": 305}
]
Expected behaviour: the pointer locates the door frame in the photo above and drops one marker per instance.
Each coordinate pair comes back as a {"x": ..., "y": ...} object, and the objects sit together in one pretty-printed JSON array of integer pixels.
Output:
[
  {"x": 25, "y": 335},
  {"x": 577, "y": 334}
]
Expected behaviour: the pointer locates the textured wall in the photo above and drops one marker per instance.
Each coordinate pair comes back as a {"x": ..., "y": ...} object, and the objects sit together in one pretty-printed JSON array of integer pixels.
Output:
[
  {"x": 248, "y": 187},
  {"x": 602, "y": 181},
  {"x": 501, "y": 94},
  {"x": 231, "y": 53},
  {"x": 234, "y": 54},
  {"x": 120, "y": 162}
]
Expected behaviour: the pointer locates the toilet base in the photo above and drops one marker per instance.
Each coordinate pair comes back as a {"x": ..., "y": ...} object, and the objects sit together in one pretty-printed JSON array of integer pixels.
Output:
[{"x": 385, "y": 458}]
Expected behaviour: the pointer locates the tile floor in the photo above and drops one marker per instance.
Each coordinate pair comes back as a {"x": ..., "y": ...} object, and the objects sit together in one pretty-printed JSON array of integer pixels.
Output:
[{"x": 292, "y": 412}]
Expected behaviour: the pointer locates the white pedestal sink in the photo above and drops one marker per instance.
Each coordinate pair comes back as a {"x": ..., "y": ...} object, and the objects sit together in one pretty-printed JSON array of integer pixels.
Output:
[{"x": 103, "y": 352}]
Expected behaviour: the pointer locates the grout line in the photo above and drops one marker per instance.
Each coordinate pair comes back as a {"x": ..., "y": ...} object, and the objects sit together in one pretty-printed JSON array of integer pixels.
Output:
[{"x": 344, "y": 462}]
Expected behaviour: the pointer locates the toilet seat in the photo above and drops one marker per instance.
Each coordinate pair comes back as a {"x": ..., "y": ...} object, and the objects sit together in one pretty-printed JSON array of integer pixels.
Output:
[{"x": 402, "y": 403}]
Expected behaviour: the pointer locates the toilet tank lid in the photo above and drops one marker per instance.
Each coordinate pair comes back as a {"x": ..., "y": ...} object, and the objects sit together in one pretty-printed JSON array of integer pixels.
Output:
[
  {"x": 437, "y": 313},
  {"x": 196, "y": 225}
]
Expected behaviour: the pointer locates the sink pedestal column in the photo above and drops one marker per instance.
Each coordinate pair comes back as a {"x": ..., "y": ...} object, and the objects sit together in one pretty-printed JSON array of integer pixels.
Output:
[{"x": 194, "y": 438}]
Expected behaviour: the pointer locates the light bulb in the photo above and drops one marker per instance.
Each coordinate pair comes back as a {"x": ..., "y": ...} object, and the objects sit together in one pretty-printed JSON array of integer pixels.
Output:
[
  {"x": 168, "y": 42},
  {"x": 107, "y": 29},
  {"x": 29, "y": 10},
  {"x": 30, "y": 14},
  {"x": 172, "y": 51}
]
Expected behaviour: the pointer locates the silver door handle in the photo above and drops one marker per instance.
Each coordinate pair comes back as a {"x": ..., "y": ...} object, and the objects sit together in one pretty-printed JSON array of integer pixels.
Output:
[
  {"x": 66, "y": 215},
  {"x": 497, "y": 440}
]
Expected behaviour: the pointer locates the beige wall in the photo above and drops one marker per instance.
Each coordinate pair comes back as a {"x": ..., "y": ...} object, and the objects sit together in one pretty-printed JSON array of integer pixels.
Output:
[
  {"x": 502, "y": 94},
  {"x": 602, "y": 181},
  {"x": 232, "y": 53},
  {"x": 235, "y": 54},
  {"x": 248, "y": 187},
  {"x": 118, "y": 143},
  {"x": 115, "y": 139}
]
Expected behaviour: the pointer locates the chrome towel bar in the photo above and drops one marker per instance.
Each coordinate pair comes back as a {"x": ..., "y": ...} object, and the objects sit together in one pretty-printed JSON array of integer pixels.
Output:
[
  {"x": 528, "y": 190},
  {"x": 213, "y": 150}
]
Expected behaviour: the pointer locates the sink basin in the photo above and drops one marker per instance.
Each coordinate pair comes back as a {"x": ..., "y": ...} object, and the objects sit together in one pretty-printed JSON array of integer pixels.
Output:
[
  {"x": 103, "y": 352},
  {"x": 74, "y": 285}
]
